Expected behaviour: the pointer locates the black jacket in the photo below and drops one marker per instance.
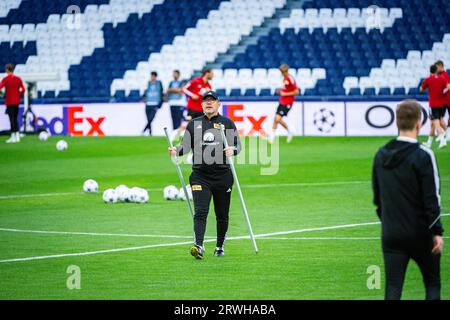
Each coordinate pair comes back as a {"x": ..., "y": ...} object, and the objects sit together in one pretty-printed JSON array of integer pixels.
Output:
[
  {"x": 406, "y": 189},
  {"x": 204, "y": 138}
]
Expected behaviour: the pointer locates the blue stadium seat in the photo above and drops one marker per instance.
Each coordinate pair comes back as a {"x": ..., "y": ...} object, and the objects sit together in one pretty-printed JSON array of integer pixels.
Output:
[
  {"x": 119, "y": 96},
  {"x": 18, "y": 53},
  {"x": 134, "y": 96},
  {"x": 265, "y": 92},
  {"x": 369, "y": 92},
  {"x": 414, "y": 91},
  {"x": 399, "y": 92},
  {"x": 64, "y": 94},
  {"x": 236, "y": 92},
  {"x": 355, "y": 92},
  {"x": 311, "y": 92},
  {"x": 384, "y": 92},
  {"x": 250, "y": 93},
  {"x": 221, "y": 92},
  {"x": 49, "y": 95}
]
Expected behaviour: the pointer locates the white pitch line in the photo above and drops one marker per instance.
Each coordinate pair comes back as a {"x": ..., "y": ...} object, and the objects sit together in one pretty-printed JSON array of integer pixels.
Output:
[
  {"x": 37, "y": 195},
  {"x": 185, "y": 243},
  {"x": 317, "y": 229},
  {"x": 95, "y": 233},
  {"x": 95, "y": 252},
  {"x": 320, "y": 238},
  {"x": 304, "y": 184},
  {"x": 325, "y": 238}
]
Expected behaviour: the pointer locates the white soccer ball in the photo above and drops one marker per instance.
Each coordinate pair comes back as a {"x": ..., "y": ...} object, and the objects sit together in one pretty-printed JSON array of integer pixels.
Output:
[
  {"x": 61, "y": 145},
  {"x": 110, "y": 196},
  {"x": 90, "y": 186},
  {"x": 123, "y": 193},
  {"x": 181, "y": 194},
  {"x": 141, "y": 196},
  {"x": 171, "y": 193},
  {"x": 134, "y": 192},
  {"x": 43, "y": 135}
]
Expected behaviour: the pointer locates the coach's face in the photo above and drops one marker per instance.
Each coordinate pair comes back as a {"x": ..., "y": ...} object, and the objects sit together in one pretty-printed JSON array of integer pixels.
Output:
[{"x": 210, "y": 105}]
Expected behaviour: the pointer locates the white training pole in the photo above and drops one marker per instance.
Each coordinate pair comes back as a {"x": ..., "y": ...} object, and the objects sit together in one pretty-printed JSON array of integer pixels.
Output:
[
  {"x": 244, "y": 208},
  {"x": 180, "y": 175}
]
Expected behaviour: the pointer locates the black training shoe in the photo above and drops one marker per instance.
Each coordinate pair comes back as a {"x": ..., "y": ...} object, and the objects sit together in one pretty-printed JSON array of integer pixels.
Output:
[
  {"x": 218, "y": 252},
  {"x": 197, "y": 252}
]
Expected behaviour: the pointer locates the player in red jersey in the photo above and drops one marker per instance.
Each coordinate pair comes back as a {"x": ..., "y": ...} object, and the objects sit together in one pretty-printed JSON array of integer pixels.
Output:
[
  {"x": 14, "y": 91},
  {"x": 443, "y": 73},
  {"x": 194, "y": 90},
  {"x": 437, "y": 87},
  {"x": 287, "y": 97}
]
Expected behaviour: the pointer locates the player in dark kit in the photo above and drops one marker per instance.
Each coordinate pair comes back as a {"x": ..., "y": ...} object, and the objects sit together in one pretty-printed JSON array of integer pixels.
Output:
[
  {"x": 407, "y": 197},
  {"x": 211, "y": 174}
]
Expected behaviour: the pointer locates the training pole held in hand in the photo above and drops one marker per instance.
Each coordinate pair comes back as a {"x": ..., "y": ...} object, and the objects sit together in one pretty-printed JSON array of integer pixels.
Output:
[
  {"x": 244, "y": 208},
  {"x": 180, "y": 175}
]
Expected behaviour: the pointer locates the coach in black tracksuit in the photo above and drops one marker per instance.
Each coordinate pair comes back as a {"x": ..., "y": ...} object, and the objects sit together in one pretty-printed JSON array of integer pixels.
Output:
[
  {"x": 407, "y": 196},
  {"x": 211, "y": 175}
]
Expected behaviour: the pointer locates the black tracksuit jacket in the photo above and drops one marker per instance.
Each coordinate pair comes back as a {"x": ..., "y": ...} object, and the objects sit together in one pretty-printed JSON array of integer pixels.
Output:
[
  {"x": 204, "y": 138},
  {"x": 406, "y": 189}
]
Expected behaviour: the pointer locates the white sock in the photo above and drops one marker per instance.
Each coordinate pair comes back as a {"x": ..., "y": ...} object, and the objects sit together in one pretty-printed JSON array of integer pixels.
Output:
[
  {"x": 441, "y": 136},
  {"x": 430, "y": 140}
]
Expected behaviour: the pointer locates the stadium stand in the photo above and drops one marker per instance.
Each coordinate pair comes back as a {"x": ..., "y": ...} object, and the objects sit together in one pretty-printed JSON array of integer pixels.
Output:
[
  {"x": 8, "y": 5},
  {"x": 335, "y": 48},
  {"x": 198, "y": 45}
]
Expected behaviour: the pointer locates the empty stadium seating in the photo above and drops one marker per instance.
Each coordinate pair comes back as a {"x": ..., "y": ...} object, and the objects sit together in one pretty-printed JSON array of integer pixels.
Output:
[
  {"x": 334, "y": 48},
  {"x": 7, "y": 5},
  {"x": 199, "y": 45}
]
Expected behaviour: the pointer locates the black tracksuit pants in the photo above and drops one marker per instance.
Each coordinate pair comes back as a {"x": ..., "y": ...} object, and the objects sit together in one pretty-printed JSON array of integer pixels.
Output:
[
  {"x": 150, "y": 112},
  {"x": 396, "y": 258},
  {"x": 207, "y": 186}
]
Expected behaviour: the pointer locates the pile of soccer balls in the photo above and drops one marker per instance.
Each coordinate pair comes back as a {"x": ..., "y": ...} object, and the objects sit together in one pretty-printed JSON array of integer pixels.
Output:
[
  {"x": 120, "y": 194},
  {"x": 124, "y": 194},
  {"x": 173, "y": 193}
]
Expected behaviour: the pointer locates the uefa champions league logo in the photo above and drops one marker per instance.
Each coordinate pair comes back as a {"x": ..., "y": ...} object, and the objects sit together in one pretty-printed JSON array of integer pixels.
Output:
[{"x": 324, "y": 120}]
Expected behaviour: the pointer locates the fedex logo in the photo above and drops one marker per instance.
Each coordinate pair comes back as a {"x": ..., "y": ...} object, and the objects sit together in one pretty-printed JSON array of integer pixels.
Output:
[
  {"x": 70, "y": 122},
  {"x": 234, "y": 112}
]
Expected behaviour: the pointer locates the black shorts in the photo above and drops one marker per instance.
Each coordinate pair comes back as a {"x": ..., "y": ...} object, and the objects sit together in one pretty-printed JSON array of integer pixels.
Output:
[
  {"x": 437, "y": 113},
  {"x": 444, "y": 109},
  {"x": 191, "y": 114},
  {"x": 283, "y": 109}
]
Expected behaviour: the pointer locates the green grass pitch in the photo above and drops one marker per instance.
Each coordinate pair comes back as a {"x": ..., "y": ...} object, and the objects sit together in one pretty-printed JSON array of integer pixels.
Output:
[{"x": 321, "y": 182}]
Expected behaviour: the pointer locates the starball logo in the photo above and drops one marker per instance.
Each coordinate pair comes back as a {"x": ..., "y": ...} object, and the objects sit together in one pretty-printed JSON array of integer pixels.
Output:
[{"x": 69, "y": 122}]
